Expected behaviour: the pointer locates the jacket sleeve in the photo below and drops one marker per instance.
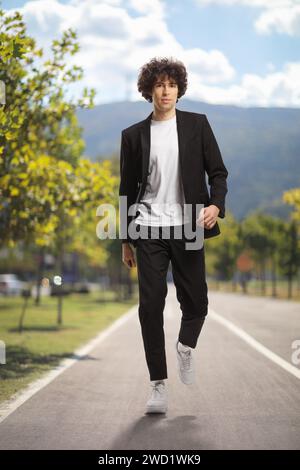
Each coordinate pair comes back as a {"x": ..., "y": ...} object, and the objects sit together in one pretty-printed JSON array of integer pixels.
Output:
[
  {"x": 214, "y": 167},
  {"x": 128, "y": 183}
]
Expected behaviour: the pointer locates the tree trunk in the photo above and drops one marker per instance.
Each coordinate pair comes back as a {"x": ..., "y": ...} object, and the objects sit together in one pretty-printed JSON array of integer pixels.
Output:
[
  {"x": 61, "y": 287},
  {"x": 40, "y": 275},
  {"x": 274, "y": 280}
]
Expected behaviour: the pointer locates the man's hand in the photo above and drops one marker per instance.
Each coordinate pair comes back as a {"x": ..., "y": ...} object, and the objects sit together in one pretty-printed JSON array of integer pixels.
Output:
[
  {"x": 209, "y": 216},
  {"x": 128, "y": 255}
]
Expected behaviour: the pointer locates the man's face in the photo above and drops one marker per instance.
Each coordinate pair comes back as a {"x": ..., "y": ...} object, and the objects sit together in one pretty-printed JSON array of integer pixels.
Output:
[{"x": 164, "y": 93}]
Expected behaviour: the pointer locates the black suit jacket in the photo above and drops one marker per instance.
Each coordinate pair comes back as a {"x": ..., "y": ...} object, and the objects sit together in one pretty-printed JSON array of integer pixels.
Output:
[{"x": 198, "y": 153}]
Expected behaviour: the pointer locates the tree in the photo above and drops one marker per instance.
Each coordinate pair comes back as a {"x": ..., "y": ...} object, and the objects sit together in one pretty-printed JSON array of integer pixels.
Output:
[
  {"x": 38, "y": 125},
  {"x": 47, "y": 188},
  {"x": 224, "y": 250},
  {"x": 257, "y": 238},
  {"x": 292, "y": 197}
]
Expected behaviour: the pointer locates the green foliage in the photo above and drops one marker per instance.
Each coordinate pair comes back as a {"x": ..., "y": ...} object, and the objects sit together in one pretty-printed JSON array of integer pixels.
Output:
[{"x": 46, "y": 185}]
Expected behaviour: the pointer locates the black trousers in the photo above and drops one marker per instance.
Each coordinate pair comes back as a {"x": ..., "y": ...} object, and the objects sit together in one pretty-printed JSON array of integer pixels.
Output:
[{"x": 153, "y": 256}]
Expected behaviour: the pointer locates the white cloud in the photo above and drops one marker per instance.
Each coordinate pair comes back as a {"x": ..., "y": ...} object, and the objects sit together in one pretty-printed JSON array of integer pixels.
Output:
[
  {"x": 148, "y": 7},
  {"x": 114, "y": 45},
  {"x": 210, "y": 67},
  {"x": 256, "y": 3},
  {"x": 280, "y": 89},
  {"x": 281, "y": 16},
  {"x": 282, "y": 20}
]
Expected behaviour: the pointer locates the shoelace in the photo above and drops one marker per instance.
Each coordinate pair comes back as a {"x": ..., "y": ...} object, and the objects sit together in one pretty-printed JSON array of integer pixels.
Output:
[
  {"x": 186, "y": 358},
  {"x": 158, "y": 388}
]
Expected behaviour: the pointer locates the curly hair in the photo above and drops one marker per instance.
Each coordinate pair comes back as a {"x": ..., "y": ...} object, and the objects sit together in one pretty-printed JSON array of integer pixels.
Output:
[{"x": 157, "y": 67}]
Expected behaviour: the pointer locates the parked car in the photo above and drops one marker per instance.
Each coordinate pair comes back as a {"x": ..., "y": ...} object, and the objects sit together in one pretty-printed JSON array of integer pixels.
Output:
[
  {"x": 81, "y": 287},
  {"x": 10, "y": 284}
]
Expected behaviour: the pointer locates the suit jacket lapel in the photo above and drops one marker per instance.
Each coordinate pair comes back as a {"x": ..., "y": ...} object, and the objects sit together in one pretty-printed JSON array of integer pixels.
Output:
[
  {"x": 182, "y": 137},
  {"x": 145, "y": 144}
]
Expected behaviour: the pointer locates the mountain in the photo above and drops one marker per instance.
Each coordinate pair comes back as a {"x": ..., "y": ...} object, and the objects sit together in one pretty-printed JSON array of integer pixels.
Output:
[{"x": 260, "y": 147}]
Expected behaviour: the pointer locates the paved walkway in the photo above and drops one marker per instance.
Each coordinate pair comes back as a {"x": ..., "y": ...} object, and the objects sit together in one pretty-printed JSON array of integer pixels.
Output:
[{"x": 242, "y": 399}]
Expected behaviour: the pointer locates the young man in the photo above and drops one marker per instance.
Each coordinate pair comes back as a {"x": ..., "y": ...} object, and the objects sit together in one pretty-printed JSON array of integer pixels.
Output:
[{"x": 163, "y": 162}]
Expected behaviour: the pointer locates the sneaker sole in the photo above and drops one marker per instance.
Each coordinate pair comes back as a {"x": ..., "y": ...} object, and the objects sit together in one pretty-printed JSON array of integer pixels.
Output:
[{"x": 156, "y": 409}]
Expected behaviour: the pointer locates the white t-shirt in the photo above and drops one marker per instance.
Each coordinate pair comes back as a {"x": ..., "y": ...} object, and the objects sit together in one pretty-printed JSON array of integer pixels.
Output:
[{"x": 163, "y": 200}]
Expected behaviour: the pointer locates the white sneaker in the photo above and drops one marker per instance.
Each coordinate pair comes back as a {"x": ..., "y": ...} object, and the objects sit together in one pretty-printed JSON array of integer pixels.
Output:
[
  {"x": 185, "y": 365},
  {"x": 158, "y": 402}
]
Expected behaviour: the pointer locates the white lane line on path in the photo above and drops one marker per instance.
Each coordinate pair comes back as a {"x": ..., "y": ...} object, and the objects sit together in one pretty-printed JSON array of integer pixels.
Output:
[
  {"x": 255, "y": 344},
  {"x": 9, "y": 406}
]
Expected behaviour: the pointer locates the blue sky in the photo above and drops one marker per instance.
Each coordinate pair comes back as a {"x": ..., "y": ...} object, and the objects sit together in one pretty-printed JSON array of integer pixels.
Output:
[{"x": 242, "y": 52}]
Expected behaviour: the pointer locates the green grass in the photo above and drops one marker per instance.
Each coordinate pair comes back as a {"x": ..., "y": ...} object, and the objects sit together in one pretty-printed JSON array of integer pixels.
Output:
[{"x": 43, "y": 344}]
